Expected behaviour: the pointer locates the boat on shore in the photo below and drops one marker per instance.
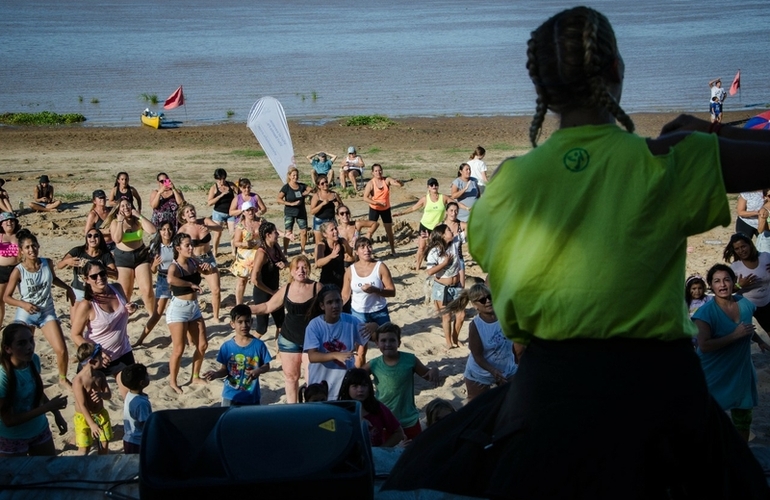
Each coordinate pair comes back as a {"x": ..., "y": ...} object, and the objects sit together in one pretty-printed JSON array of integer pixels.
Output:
[{"x": 152, "y": 119}]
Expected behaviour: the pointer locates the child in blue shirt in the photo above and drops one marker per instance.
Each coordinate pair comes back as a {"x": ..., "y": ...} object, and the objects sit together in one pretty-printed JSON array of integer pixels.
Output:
[
  {"x": 716, "y": 110},
  {"x": 243, "y": 359},
  {"x": 136, "y": 406}
]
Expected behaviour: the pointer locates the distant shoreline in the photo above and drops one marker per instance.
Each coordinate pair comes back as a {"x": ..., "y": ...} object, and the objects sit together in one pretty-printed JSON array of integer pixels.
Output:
[{"x": 319, "y": 121}]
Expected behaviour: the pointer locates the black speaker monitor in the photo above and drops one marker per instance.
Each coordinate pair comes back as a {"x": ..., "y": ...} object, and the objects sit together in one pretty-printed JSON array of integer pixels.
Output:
[{"x": 263, "y": 450}]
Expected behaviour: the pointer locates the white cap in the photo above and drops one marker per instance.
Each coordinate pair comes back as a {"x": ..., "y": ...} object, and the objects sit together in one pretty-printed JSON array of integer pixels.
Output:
[
  {"x": 351, "y": 149},
  {"x": 247, "y": 206}
]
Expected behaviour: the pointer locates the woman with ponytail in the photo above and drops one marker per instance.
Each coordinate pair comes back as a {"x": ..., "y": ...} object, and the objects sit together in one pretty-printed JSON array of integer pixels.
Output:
[{"x": 266, "y": 275}]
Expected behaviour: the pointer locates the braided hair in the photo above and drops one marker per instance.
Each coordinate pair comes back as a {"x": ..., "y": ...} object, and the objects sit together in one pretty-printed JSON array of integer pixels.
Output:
[{"x": 568, "y": 58}]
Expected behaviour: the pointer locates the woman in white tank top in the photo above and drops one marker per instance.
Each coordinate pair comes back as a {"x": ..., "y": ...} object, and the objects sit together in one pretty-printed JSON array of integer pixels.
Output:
[
  {"x": 34, "y": 277},
  {"x": 367, "y": 284}
]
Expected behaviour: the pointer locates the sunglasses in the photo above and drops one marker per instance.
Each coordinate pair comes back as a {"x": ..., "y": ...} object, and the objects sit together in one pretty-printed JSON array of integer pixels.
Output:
[
  {"x": 100, "y": 274},
  {"x": 344, "y": 213},
  {"x": 322, "y": 183},
  {"x": 486, "y": 299},
  {"x": 432, "y": 185},
  {"x": 93, "y": 235}
]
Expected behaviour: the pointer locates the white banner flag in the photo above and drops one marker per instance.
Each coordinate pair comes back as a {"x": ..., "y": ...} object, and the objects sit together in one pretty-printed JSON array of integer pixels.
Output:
[{"x": 268, "y": 122}]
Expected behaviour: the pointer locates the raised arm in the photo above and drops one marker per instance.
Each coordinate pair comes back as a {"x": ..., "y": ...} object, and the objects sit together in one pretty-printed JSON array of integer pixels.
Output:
[
  {"x": 275, "y": 302},
  {"x": 743, "y": 153},
  {"x": 420, "y": 204}
]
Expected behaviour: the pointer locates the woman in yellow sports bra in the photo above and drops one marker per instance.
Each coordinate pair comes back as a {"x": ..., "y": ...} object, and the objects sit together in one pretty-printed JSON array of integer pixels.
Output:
[
  {"x": 199, "y": 231},
  {"x": 132, "y": 257}
]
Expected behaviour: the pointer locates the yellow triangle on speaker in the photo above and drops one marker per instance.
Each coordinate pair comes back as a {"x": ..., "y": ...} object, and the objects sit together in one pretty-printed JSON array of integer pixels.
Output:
[{"x": 328, "y": 425}]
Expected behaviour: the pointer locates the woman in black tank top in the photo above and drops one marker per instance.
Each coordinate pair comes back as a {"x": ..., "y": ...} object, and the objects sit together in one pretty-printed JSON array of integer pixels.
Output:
[
  {"x": 296, "y": 297},
  {"x": 183, "y": 315},
  {"x": 266, "y": 274},
  {"x": 221, "y": 196}
]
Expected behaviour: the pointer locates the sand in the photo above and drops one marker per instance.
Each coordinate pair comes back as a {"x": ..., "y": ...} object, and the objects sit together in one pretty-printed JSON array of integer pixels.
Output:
[{"x": 82, "y": 159}]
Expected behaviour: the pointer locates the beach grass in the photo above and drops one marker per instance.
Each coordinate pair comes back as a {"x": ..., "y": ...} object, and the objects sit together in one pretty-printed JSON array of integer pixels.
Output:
[
  {"x": 41, "y": 118},
  {"x": 348, "y": 192},
  {"x": 373, "y": 151},
  {"x": 94, "y": 100},
  {"x": 71, "y": 197},
  {"x": 375, "y": 122},
  {"x": 249, "y": 153},
  {"x": 151, "y": 98},
  {"x": 230, "y": 113}
]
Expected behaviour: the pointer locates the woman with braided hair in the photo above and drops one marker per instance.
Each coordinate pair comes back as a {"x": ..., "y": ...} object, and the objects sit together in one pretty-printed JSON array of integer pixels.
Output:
[{"x": 609, "y": 400}]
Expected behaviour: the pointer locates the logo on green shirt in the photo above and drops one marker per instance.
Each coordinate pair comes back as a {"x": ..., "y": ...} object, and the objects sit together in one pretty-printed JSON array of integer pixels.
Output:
[{"x": 576, "y": 159}]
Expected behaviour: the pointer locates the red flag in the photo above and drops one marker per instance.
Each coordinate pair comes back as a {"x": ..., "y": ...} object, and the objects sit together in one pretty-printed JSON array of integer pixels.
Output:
[
  {"x": 176, "y": 99},
  {"x": 736, "y": 83}
]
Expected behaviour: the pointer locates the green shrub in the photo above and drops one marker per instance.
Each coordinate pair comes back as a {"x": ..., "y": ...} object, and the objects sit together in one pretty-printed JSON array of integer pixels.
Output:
[
  {"x": 249, "y": 153},
  {"x": 41, "y": 118},
  {"x": 376, "y": 122}
]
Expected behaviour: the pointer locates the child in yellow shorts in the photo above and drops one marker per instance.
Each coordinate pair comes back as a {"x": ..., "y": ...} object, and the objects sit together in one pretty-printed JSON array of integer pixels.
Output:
[{"x": 92, "y": 421}]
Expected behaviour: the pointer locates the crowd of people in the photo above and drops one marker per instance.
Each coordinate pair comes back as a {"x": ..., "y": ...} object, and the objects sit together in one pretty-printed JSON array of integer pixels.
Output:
[
  {"x": 322, "y": 328},
  {"x": 570, "y": 354}
]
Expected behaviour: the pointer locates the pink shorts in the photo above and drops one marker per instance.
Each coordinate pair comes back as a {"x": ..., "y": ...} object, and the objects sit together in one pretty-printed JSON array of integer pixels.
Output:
[{"x": 10, "y": 446}]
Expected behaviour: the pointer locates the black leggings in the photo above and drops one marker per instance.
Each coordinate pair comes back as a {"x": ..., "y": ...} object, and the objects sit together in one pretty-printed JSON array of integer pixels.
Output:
[
  {"x": 261, "y": 320},
  {"x": 742, "y": 227}
]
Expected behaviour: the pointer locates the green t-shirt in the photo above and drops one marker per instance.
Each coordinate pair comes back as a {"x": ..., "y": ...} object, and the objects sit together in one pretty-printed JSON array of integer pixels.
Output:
[
  {"x": 395, "y": 387},
  {"x": 585, "y": 236}
]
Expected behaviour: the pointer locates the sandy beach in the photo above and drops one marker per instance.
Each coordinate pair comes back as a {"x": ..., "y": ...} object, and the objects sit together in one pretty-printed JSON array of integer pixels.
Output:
[{"x": 81, "y": 159}]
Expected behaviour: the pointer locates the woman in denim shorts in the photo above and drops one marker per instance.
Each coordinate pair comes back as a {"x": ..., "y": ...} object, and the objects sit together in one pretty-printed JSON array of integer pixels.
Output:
[
  {"x": 221, "y": 195},
  {"x": 184, "y": 315},
  {"x": 367, "y": 284},
  {"x": 162, "y": 253},
  {"x": 444, "y": 266},
  {"x": 33, "y": 277},
  {"x": 296, "y": 297},
  {"x": 200, "y": 232}
]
